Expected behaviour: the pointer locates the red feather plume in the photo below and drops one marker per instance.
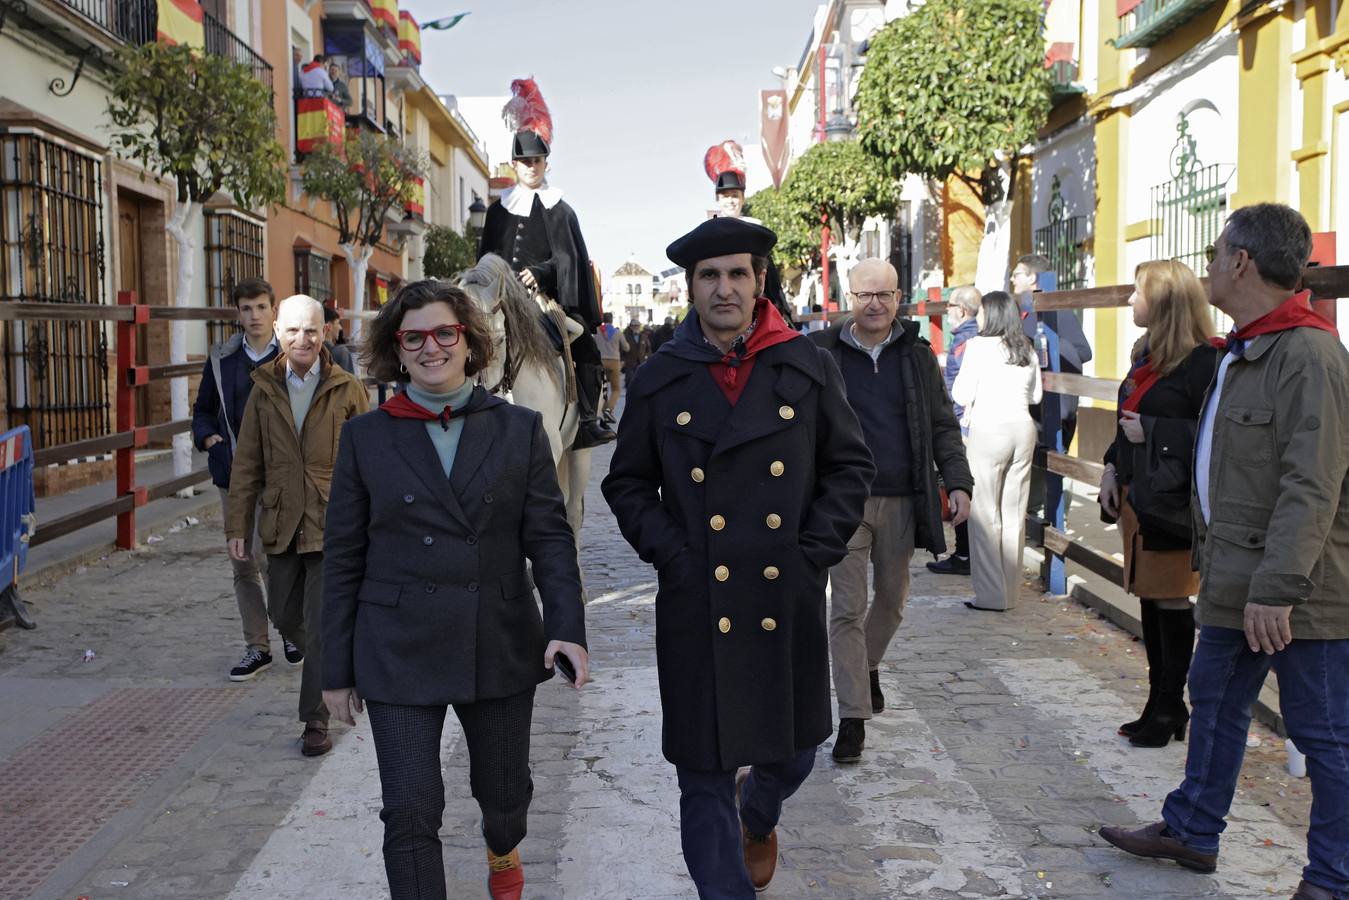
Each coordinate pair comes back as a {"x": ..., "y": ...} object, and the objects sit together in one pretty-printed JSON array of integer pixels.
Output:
[
  {"x": 724, "y": 157},
  {"x": 527, "y": 111}
]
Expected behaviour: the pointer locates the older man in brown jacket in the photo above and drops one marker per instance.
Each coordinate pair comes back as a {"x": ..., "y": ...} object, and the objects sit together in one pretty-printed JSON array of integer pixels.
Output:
[
  {"x": 1271, "y": 511},
  {"x": 287, "y": 447}
]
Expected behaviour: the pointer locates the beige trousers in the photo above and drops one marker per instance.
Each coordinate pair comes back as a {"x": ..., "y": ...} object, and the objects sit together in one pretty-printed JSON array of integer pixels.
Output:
[
  {"x": 248, "y": 590},
  {"x": 860, "y": 632},
  {"x": 613, "y": 371},
  {"x": 1000, "y": 460}
]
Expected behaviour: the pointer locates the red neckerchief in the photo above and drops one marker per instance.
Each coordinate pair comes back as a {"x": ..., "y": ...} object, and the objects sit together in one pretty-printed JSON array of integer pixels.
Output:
[
  {"x": 401, "y": 406},
  {"x": 309, "y": 67},
  {"x": 1295, "y": 312},
  {"x": 732, "y": 371},
  {"x": 1141, "y": 378}
]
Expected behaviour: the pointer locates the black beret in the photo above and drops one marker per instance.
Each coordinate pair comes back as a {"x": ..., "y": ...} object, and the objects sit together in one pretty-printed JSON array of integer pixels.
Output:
[{"x": 721, "y": 236}]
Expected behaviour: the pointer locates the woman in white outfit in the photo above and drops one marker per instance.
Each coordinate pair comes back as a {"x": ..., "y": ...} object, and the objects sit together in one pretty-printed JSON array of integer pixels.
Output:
[{"x": 998, "y": 383}]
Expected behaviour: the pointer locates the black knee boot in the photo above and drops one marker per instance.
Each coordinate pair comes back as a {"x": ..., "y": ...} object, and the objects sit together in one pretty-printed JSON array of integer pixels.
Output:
[
  {"x": 1152, "y": 646},
  {"x": 589, "y": 384},
  {"x": 1170, "y": 714}
]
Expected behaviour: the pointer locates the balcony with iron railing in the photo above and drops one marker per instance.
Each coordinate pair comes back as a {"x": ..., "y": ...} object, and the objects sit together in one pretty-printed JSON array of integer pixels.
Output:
[
  {"x": 1063, "y": 81},
  {"x": 135, "y": 22},
  {"x": 1142, "y": 23}
]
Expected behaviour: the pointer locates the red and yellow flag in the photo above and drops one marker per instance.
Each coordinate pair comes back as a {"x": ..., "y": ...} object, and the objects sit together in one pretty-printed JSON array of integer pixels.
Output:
[
  {"x": 417, "y": 204},
  {"x": 409, "y": 37},
  {"x": 181, "y": 22},
  {"x": 381, "y": 291},
  {"x": 318, "y": 120},
  {"x": 386, "y": 11}
]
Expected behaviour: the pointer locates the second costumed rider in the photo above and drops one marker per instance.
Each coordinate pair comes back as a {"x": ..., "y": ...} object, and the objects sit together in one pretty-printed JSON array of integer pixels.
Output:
[
  {"x": 536, "y": 232},
  {"x": 725, "y": 165}
]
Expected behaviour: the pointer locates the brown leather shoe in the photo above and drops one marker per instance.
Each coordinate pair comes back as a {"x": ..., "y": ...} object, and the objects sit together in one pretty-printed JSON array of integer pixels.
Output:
[
  {"x": 1156, "y": 842},
  {"x": 315, "y": 741},
  {"x": 1308, "y": 891},
  {"x": 761, "y": 857}
]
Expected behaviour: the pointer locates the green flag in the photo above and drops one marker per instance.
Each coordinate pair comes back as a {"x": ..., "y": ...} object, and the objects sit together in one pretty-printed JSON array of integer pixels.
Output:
[{"x": 444, "y": 24}]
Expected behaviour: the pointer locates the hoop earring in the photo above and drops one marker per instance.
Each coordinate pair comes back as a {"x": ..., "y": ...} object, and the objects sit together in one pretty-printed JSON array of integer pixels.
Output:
[
  {"x": 403, "y": 368},
  {"x": 469, "y": 357}
]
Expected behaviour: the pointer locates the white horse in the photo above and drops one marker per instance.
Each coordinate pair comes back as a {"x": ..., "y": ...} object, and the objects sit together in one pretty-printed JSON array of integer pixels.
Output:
[{"x": 528, "y": 371}]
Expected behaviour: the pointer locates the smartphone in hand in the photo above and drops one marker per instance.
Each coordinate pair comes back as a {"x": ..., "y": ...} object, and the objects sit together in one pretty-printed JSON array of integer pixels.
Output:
[{"x": 562, "y": 665}]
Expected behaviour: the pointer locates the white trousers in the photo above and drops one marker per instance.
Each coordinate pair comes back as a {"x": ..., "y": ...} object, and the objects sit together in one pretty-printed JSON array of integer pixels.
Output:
[{"x": 1000, "y": 460}]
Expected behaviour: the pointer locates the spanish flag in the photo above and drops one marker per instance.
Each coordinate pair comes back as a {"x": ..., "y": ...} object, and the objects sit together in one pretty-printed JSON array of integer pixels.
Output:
[
  {"x": 381, "y": 291},
  {"x": 386, "y": 11},
  {"x": 318, "y": 120},
  {"x": 180, "y": 22},
  {"x": 416, "y": 205},
  {"x": 409, "y": 37}
]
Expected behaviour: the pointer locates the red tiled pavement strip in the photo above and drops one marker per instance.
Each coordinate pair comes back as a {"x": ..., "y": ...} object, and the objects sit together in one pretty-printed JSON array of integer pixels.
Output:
[{"x": 64, "y": 785}]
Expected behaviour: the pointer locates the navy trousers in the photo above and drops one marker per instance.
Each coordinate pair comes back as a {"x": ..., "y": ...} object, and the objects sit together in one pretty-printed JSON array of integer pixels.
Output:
[{"x": 710, "y": 827}]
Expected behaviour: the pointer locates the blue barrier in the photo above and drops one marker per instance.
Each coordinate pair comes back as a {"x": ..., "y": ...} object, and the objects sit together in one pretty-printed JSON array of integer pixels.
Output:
[{"x": 17, "y": 522}]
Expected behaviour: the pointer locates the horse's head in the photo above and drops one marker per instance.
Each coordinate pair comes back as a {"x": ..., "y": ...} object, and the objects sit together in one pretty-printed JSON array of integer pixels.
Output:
[{"x": 487, "y": 285}]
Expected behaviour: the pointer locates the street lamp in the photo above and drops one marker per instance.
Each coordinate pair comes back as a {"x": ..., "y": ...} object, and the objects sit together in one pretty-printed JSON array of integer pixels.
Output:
[{"x": 477, "y": 213}]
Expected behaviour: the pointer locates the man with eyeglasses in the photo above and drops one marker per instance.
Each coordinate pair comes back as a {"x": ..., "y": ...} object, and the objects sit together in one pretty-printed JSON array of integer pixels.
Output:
[
  {"x": 283, "y": 467},
  {"x": 894, "y": 385}
]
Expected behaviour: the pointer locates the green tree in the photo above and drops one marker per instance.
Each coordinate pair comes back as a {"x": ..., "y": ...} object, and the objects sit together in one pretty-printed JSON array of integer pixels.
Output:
[
  {"x": 447, "y": 252},
  {"x": 840, "y": 183},
  {"x": 957, "y": 88},
  {"x": 367, "y": 178},
  {"x": 206, "y": 124},
  {"x": 797, "y": 247}
]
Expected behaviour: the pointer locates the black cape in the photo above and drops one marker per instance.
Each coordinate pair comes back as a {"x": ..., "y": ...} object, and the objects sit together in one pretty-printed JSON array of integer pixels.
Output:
[{"x": 548, "y": 242}]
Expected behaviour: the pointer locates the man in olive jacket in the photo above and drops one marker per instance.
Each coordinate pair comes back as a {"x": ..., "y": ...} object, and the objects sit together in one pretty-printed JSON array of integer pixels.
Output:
[
  {"x": 740, "y": 473},
  {"x": 284, "y": 462},
  {"x": 1271, "y": 510}
]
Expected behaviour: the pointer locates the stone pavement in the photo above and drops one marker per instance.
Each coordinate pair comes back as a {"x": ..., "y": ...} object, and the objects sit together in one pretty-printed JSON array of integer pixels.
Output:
[{"x": 143, "y": 773}]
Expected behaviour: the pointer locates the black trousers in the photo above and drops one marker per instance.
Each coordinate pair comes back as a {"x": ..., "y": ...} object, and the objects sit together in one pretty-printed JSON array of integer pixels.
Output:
[
  {"x": 407, "y": 745},
  {"x": 295, "y": 603}
]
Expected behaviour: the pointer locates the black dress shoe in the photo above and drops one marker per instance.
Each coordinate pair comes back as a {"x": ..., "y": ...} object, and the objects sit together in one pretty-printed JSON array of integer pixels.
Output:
[
  {"x": 970, "y": 605},
  {"x": 877, "y": 698},
  {"x": 852, "y": 735},
  {"x": 952, "y": 565},
  {"x": 1308, "y": 891},
  {"x": 592, "y": 434},
  {"x": 1157, "y": 842}
]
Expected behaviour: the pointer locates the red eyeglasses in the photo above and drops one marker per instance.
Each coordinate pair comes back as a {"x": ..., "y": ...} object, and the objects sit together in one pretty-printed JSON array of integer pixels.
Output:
[{"x": 413, "y": 339}]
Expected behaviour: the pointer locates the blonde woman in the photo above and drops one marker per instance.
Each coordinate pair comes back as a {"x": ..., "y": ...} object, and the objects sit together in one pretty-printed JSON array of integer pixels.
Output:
[
  {"x": 1147, "y": 481},
  {"x": 998, "y": 383}
]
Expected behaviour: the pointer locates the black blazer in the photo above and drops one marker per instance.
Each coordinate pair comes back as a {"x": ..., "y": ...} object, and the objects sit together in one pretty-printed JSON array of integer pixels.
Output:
[{"x": 426, "y": 598}]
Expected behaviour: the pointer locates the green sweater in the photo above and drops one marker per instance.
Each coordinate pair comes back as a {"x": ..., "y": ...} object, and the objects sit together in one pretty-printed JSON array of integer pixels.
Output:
[{"x": 445, "y": 440}]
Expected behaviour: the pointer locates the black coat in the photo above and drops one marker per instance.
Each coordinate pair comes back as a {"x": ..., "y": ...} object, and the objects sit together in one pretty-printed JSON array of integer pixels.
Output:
[
  {"x": 1074, "y": 353},
  {"x": 219, "y": 407},
  {"x": 426, "y": 599},
  {"x": 548, "y": 242},
  {"x": 743, "y": 659},
  {"x": 935, "y": 443}
]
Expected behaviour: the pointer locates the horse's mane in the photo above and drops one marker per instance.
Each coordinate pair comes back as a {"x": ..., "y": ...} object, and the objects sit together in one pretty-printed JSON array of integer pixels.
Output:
[{"x": 491, "y": 282}]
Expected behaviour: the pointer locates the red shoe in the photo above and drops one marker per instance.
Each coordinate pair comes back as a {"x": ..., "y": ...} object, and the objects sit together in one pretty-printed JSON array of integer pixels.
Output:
[{"x": 506, "y": 878}]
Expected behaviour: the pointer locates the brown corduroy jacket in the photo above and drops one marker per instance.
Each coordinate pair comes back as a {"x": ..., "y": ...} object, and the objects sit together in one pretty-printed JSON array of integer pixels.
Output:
[{"x": 289, "y": 473}]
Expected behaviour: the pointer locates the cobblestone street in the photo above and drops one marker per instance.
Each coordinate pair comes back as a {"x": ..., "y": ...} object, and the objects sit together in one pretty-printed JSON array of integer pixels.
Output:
[{"x": 143, "y": 773}]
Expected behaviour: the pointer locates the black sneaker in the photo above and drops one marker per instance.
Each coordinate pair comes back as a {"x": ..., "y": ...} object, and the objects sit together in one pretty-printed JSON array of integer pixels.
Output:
[
  {"x": 852, "y": 736},
  {"x": 294, "y": 655},
  {"x": 877, "y": 698},
  {"x": 254, "y": 661},
  {"x": 952, "y": 565}
]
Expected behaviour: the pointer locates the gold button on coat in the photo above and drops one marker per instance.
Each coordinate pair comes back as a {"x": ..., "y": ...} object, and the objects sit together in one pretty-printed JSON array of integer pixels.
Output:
[
  {"x": 770, "y": 573},
  {"x": 769, "y": 624},
  {"x": 697, "y": 475},
  {"x": 717, "y": 522},
  {"x": 724, "y": 625},
  {"x": 774, "y": 520},
  {"x": 722, "y": 573},
  {"x": 786, "y": 412},
  {"x": 777, "y": 468},
  {"x": 684, "y": 418}
]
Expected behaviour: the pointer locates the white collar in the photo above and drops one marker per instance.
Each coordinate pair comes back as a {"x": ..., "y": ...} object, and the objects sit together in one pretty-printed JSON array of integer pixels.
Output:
[
  {"x": 519, "y": 200},
  {"x": 248, "y": 348},
  {"x": 296, "y": 380}
]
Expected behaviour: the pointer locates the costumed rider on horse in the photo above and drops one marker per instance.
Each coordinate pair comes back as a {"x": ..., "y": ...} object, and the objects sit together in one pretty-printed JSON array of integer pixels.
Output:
[
  {"x": 725, "y": 165},
  {"x": 536, "y": 232}
]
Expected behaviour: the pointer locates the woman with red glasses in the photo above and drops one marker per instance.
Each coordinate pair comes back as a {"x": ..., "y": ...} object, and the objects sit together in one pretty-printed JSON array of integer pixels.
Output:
[{"x": 440, "y": 499}]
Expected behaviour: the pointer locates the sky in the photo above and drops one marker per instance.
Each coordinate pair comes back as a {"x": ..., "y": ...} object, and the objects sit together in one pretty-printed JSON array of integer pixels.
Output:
[{"x": 638, "y": 89}]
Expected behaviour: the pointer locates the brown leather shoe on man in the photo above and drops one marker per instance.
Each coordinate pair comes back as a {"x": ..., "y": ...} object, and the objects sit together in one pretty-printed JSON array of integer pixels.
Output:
[
  {"x": 1157, "y": 842},
  {"x": 1308, "y": 891},
  {"x": 761, "y": 857},
  {"x": 315, "y": 741}
]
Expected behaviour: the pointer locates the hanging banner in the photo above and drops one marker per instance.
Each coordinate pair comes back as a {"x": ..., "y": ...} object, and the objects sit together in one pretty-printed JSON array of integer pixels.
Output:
[
  {"x": 181, "y": 22},
  {"x": 386, "y": 12},
  {"x": 409, "y": 37},
  {"x": 318, "y": 120},
  {"x": 381, "y": 291},
  {"x": 416, "y": 205},
  {"x": 773, "y": 133}
]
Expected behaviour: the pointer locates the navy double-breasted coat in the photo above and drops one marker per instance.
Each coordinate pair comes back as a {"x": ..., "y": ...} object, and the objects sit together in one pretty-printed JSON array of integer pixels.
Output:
[
  {"x": 742, "y": 510},
  {"x": 426, "y": 597}
]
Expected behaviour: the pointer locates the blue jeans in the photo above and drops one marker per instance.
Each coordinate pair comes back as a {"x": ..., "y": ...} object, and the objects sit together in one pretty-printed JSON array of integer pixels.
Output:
[
  {"x": 1225, "y": 679},
  {"x": 710, "y": 829}
]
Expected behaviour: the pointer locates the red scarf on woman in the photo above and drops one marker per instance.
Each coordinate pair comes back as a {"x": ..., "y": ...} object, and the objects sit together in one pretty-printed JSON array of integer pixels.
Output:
[{"x": 401, "y": 406}]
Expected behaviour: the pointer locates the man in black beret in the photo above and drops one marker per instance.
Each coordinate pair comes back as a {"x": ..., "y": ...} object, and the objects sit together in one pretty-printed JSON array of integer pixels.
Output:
[{"x": 740, "y": 472}]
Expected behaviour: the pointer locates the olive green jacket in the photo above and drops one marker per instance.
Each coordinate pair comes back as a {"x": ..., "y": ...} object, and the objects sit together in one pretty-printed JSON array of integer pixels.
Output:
[
  {"x": 284, "y": 473},
  {"x": 1278, "y": 531}
]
